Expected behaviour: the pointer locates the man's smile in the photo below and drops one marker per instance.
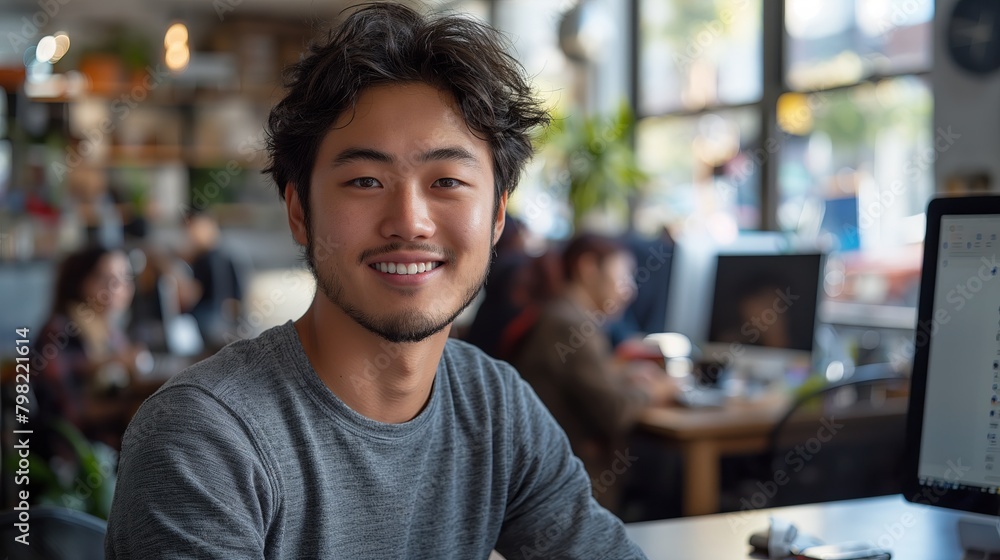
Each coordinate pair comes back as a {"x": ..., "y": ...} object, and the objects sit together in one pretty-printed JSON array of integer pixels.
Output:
[{"x": 403, "y": 269}]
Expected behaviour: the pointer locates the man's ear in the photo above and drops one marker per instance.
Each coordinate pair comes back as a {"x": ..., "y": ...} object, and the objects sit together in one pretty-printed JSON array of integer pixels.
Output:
[
  {"x": 501, "y": 218},
  {"x": 296, "y": 215}
]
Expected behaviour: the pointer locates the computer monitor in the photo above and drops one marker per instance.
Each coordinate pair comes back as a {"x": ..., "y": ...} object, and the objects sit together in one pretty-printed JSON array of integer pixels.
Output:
[
  {"x": 953, "y": 425},
  {"x": 766, "y": 300},
  {"x": 762, "y": 317},
  {"x": 692, "y": 277}
]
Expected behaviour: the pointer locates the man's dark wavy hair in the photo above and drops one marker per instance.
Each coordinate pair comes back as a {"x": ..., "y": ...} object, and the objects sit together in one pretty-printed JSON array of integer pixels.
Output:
[{"x": 384, "y": 43}]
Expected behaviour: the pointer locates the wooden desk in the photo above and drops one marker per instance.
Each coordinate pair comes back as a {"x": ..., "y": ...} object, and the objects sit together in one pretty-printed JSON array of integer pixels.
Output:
[
  {"x": 910, "y": 531},
  {"x": 705, "y": 435}
]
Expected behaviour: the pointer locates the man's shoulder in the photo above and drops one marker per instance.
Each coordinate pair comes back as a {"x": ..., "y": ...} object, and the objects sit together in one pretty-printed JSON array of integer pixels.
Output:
[
  {"x": 474, "y": 375},
  {"x": 471, "y": 360},
  {"x": 242, "y": 370}
]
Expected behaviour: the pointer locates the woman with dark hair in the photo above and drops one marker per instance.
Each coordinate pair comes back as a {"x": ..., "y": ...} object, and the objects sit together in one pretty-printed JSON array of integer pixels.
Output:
[
  {"x": 569, "y": 361},
  {"x": 82, "y": 357}
]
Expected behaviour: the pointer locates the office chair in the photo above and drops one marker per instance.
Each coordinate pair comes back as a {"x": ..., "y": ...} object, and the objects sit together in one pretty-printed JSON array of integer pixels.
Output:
[
  {"x": 55, "y": 534},
  {"x": 842, "y": 441}
]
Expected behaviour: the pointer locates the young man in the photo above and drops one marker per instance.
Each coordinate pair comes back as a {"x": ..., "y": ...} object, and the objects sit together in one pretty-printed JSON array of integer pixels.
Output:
[{"x": 360, "y": 430}]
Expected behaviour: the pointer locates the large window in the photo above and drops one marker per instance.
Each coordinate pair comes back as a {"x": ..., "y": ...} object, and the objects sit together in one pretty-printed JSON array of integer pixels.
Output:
[
  {"x": 697, "y": 53},
  {"x": 835, "y": 141},
  {"x": 700, "y": 84},
  {"x": 856, "y": 163},
  {"x": 702, "y": 166},
  {"x": 841, "y": 43}
]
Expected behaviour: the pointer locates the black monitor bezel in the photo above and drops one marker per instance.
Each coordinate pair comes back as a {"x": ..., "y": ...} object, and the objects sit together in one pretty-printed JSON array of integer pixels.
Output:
[{"x": 965, "y": 499}]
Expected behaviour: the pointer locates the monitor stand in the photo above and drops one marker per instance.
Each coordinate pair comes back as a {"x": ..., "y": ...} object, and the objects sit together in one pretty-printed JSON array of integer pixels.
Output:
[{"x": 979, "y": 538}]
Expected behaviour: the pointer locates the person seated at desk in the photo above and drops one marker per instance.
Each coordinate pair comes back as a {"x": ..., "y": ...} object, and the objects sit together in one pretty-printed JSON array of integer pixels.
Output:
[
  {"x": 219, "y": 308},
  {"x": 569, "y": 361},
  {"x": 82, "y": 356}
]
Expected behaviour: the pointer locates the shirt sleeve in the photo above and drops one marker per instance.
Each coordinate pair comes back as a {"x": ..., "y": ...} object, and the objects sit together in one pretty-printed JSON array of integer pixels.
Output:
[
  {"x": 551, "y": 512},
  {"x": 191, "y": 483}
]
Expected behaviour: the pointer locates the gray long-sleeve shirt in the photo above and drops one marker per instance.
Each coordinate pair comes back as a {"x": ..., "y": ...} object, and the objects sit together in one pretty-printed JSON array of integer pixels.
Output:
[{"x": 249, "y": 455}]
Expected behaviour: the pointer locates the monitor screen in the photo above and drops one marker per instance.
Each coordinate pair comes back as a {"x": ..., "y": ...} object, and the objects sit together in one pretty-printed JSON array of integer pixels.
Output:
[
  {"x": 954, "y": 421},
  {"x": 766, "y": 300}
]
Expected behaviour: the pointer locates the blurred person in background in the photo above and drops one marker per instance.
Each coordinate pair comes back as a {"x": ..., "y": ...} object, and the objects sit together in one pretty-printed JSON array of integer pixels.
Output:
[
  {"x": 500, "y": 302},
  {"x": 218, "y": 309},
  {"x": 93, "y": 217},
  {"x": 569, "y": 361},
  {"x": 164, "y": 287},
  {"x": 84, "y": 356},
  {"x": 516, "y": 283}
]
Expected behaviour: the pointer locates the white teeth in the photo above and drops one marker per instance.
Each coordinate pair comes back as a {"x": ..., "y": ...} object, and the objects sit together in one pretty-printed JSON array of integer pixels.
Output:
[{"x": 405, "y": 268}]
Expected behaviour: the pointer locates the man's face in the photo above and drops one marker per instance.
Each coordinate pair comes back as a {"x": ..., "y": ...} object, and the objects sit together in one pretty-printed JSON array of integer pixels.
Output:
[
  {"x": 401, "y": 208},
  {"x": 617, "y": 282}
]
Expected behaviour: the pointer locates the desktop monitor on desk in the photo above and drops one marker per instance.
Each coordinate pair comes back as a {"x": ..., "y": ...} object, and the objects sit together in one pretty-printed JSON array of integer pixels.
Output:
[
  {"x": 763, "y": 313},
  {"x": 953, "y": 425}
]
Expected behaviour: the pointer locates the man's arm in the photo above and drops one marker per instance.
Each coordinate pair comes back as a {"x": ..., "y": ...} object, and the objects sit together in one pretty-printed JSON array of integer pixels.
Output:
[
  {"x": 191, "y": 483},
  {"x": 551, "y": 513},
  {"x": 599, "y": 389}
]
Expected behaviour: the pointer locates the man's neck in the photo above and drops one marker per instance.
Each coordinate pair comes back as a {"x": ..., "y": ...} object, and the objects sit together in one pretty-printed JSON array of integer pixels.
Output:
[{"x": 387, "y": 382}]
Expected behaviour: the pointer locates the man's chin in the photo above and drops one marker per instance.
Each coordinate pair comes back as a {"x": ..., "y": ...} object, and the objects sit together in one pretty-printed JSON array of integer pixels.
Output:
[
  {"x": 403, "y": 331},
  {"x": 404, "y": 337}
]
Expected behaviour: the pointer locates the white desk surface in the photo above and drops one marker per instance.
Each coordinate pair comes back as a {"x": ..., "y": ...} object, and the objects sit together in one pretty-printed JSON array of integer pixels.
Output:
[{"x": 908, "y": 530}]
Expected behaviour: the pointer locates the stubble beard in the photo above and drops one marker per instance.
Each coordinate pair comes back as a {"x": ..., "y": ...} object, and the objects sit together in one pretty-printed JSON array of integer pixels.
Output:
[{"x": 394, "y": 327}]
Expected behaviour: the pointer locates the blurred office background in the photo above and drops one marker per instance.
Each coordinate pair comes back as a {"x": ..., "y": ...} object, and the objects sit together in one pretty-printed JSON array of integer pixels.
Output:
[{"x": 824, "y": 126}]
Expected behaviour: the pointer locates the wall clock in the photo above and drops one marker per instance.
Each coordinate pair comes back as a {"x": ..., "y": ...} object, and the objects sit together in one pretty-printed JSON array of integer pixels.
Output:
[{"x": 973, "y": 35}]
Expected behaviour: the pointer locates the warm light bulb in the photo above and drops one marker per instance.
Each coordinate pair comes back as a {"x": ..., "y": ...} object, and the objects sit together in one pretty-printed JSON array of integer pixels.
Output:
[
  {"x": 176, "y": 35},
  {"x": 177, "y": 57}
]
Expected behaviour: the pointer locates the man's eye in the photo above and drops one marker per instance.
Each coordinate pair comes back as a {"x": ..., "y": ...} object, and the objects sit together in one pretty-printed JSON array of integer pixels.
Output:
[
  {"x": 448, "y": 183},
  {"x": 365, "y": 183}
]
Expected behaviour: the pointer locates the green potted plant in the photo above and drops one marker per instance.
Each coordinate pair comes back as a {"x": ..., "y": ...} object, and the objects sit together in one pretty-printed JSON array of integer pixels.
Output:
[
  {"x": 85, "y": 482},
  {"x": 591, "y": 156}
]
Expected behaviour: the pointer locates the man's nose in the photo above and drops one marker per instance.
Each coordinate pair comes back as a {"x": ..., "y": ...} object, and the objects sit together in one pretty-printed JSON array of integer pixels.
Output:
[{"x": 408, "y": 213}]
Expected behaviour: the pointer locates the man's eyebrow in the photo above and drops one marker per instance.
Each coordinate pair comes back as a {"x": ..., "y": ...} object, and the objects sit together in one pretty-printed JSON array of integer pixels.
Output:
[
  {"x": 453, "y": 153},
  {"x": 351, "y": 155}
]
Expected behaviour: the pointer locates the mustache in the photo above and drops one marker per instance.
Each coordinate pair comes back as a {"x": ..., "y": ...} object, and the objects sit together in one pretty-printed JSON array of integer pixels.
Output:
[{"x": 446, "y": 254}]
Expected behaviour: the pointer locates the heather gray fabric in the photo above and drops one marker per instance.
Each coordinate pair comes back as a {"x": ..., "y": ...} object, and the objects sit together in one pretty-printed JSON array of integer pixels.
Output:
[{"x": 249, "y": 455}]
